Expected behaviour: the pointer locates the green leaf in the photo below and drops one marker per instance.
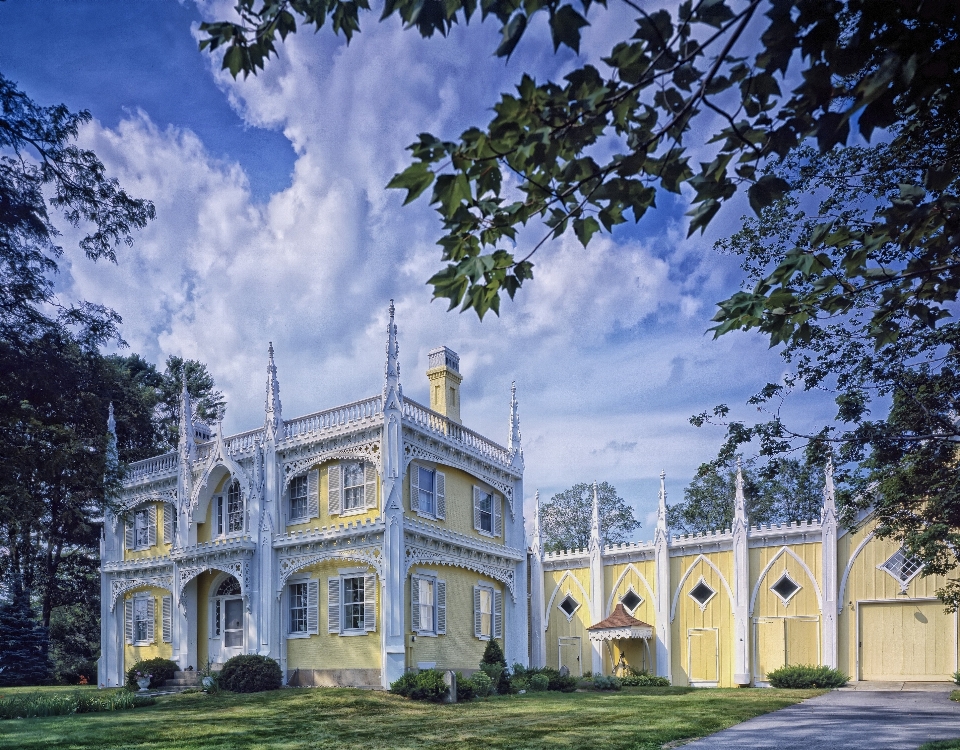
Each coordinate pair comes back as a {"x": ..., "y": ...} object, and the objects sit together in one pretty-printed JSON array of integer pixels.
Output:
[
  {"x": 414, "y": 179},
  {"x": 585, "y": 229},
  {"x": 765, "y": 191},
  {"x": 511, "y": 35},
  {"x": 565, "y": 27}
]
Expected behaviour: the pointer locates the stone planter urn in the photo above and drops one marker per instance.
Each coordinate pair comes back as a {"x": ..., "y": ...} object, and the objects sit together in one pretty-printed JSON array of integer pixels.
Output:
[{"x": 143, "y": 683}]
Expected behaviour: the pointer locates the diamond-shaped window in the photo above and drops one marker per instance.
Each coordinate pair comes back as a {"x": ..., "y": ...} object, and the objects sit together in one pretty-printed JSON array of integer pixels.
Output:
[
  {"x": 702, "y": 593},
  {"x": 785, "y": 588},
  {"x": 631, "y": 600},
  {"x": 569, "y": 605},
  {"x": 902, "y": 566}
]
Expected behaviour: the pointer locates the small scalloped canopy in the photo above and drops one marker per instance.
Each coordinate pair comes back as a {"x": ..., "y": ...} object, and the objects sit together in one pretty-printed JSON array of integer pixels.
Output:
[{"x": 619, "y": 619}]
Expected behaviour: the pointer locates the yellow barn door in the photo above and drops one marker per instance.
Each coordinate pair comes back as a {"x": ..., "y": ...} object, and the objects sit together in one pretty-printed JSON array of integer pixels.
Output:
[
  {"x": 703, "y": 656},
  {"x": 771, "y": 646},
  {"x": 785, "y": 640},
  {"x": 570, "y": 653},
  {"x": 906, "y": 640}
]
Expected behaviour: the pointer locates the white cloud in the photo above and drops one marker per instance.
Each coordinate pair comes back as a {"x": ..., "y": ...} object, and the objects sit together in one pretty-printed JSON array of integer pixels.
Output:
[{"x": 606, "y": 344}]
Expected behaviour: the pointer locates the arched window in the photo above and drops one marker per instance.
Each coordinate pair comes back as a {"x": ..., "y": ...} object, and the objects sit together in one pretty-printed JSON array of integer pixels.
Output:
[
  {"x": 230, "y": 510},
  {"x": 229, "y": 587}
]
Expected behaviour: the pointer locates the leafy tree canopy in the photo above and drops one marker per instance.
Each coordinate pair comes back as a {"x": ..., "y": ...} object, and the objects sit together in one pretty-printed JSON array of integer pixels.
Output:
[
  {"x": 862, "y": 304},
  {"x": 784, "y": 490},
  {"x": 591, "y": 151},
  {"x": 565, "y": 520}
]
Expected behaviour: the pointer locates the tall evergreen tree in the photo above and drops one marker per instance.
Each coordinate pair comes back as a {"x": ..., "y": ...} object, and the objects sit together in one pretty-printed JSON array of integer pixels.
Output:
[{"x": 24, "y": 645}]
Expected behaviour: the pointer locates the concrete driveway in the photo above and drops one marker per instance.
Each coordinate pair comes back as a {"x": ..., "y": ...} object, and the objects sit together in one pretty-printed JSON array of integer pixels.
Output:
[{"x": 864, "y": 716}]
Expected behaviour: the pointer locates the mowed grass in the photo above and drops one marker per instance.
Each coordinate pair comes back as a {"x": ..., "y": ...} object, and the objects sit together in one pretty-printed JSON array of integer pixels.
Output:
[{"x": 291, "y": 719}]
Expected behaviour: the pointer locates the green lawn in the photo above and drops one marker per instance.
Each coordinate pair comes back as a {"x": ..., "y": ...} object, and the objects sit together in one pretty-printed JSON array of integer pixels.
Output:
[{"x": 341, "y": 718}]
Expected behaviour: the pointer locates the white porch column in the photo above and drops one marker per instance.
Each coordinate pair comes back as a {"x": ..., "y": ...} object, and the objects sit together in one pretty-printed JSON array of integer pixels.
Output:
[
  {"x": 266, "y": 572},
  {"x": 391, "y": 483},
  {"x": 538, "y": 643},
  {"x": 516, "y": 633},
  {"x": 661, "y": 542},
  {"x": 828, "y": 550},
  {"x": 596, "y": 582},
  {"x": 741, "y": 588}
]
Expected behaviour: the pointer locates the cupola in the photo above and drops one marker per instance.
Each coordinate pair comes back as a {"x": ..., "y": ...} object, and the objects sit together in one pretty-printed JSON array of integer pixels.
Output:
[{"x": 443, "y": 372}]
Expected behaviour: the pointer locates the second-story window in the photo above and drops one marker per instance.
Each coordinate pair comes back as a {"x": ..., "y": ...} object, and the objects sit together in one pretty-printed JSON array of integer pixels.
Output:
[
  {"x": 142, "y": 526},
  {"x": 428, "y": 498},
  {"x": 427, "y": 492},
  {"x": 230, "y": 510},
  {"x": 298, "y": 499},
  {"x": 487, "y": 512},
  {"x": 353, "y": 485},
  {"x": 234, "y": 509}
]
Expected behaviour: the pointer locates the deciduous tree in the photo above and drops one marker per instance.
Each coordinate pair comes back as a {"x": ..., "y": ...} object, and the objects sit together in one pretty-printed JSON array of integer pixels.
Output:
[{"x": 566, "y": 518}]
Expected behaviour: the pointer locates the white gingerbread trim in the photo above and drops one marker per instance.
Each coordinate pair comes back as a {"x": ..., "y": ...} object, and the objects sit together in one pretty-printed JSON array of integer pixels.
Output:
[
  {"x": 416, "y": 448},
  {"x": 367, "y": 449},
  {"x": 120, "y": 586},
  {"x": 699, "y": 558},
  {"x": 371, "y": 556}
]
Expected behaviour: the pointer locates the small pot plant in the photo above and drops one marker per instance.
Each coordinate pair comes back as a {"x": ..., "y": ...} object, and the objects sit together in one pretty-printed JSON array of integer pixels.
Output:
[{"x": 143, "y": 680}]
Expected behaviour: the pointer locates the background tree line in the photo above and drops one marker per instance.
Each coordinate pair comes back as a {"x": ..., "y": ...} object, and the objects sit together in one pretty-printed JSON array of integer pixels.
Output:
[{"x": 56, "y": 384}]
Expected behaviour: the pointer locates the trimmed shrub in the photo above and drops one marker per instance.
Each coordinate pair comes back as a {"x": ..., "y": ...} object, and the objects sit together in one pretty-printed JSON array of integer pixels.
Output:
[
  {"x": 160, "y": 669},
  {"x": 602, "y": 682},
  {"x": 482, "y": 684},
  {"x": 806, "y": 676},
  {"x": 539, "y": 683},
  {"x": 956, "y": 678},
  {"x": 425, "y": 685},
  {"x": 642, "y": 679},
  {"x": 493, "y": 655},
  {"x": 465, "y": 691},
  {"x": 250, "y": 673}
]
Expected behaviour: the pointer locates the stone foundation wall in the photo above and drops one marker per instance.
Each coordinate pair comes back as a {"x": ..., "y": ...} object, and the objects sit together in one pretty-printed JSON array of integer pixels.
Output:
[{"x": 366, "y": 678}]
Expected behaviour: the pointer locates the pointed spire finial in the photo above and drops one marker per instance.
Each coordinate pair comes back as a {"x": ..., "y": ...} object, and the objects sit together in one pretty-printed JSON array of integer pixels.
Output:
[
  {"x": 113, "y": 455},
  {"x": 829, "y": 494},
  {"x": 186, "y": 420},
  {"x": 537, "y": 542},
  {"x": 595, "y": 519},
  {"x": 513, "y": 442},
  {"x": 739, "y": 501},
  {"x": 272, "y": 406},
  {"x": 663, "y": 531},
  {"x": 392, "y": 390}
]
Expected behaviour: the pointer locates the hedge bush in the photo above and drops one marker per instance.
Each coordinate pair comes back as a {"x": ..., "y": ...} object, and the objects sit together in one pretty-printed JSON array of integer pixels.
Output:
[
  {"x": 425, "y": 685},
  {"x": 29, "y": 706},
  {"x": 161, "y": 669},
  {"x": 522, "y": 676},
  {"x": 465, "y": 691},
  {"x": 482, "y": 684},
  {"x": 539, "y": 683},
  {"x": 806, "y": 676},
  {"x": 644, "y": 680},
  {"x": 600, "y": 682},
  {"x": 250, "y": 673}
]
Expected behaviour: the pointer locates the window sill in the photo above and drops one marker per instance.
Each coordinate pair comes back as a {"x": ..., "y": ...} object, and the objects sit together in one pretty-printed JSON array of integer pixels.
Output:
[
  {"x": 426, "y": 634},
  {"x": 351, "y": 633},
  {"x": 427, "y": 516},
  {"x": 141, "y": 644},
  {"x": 356, "y": 511},
  {"x": 482, "y": 637},
  {"x": 296, "y": 636},
  {"x": 488, "y": 534}
]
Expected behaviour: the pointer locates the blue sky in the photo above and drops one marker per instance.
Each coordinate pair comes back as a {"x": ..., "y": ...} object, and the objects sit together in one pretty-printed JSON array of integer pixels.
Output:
[{"x": 273, "y": 225}]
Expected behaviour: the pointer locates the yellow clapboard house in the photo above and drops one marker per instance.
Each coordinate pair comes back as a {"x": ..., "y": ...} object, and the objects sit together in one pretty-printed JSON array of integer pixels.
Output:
[
  {"x": 350, "y": 545},
  {"x": 725, "y": 608}
]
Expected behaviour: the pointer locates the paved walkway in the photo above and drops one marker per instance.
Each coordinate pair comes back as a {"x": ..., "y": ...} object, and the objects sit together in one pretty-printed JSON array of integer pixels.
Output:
[{"x": 890, "y": 716}]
